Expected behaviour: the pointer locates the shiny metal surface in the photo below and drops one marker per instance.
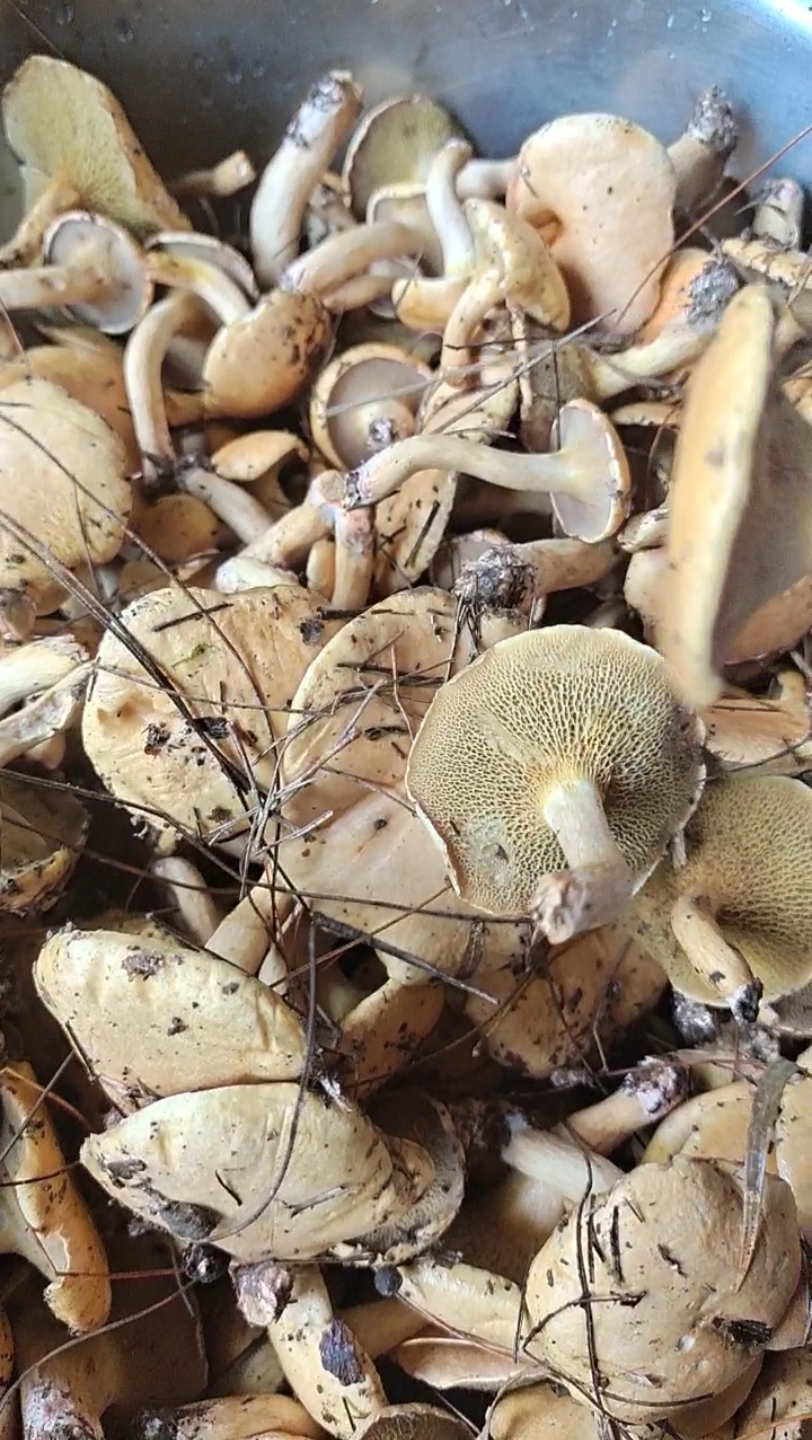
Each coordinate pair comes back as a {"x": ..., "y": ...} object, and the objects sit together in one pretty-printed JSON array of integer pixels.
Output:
[{"x": 201, "y": 76}]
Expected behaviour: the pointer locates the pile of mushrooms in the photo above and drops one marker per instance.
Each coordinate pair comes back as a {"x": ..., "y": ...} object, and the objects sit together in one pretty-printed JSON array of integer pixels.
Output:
[{"x": 405, "y": 744}]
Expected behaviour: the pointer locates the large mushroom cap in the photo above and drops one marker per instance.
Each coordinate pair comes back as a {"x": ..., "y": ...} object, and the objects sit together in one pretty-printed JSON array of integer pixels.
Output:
[
  {"x": 66, "y": 124},
  {"x": 749, "y": 856},
  {"x": 395, "y": 142},
  {"x": 552, "y": 705}
]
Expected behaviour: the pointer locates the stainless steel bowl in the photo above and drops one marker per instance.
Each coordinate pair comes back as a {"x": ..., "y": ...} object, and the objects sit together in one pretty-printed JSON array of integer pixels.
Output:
[{"x": 201, "y": 76}]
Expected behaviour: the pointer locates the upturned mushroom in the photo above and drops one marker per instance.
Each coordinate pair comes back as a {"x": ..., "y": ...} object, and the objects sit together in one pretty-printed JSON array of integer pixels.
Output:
[
  {"x": 587, "y": 476},
  {"x": 741, "y": 471},
  {"x": 730, "y": 925},
  {"x": 66, "y": 125},
  {"x": 42, "y": 833},
  {"x": 601, "y": 191},
  {"x": 202, "y": 695},
  {"x": 75, "y": 506},
  {"x": 91, "y": 266},
  {"x": 658, "y": 1296},
  {"x": 395, "y": 142},
  {"x": 316, "y": 130},
  {"x": 366, "y": 398},
  {"x": 540, "y": 714}
]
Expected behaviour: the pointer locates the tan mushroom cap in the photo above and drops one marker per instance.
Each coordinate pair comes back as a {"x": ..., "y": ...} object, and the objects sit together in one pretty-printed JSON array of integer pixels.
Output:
[
  {"x": 780, "y": 1402},
  {"x": 261, "y": 363},
  {"x": 413, "y": 1421},
  {"x": 75, "y": 498},
  {"x": 65, "y": 123},
  {"x": 740, "y": 481},
  {"x": 239, "y": 664},
  {"x": 692, "y": 1330},
  {"x": 748, "y": 848},
  {"x": 93, "y": 377},
  {"x": 231, "y": 1417},
  {"x": 42, "y": 832},
  {"x": 155, "y": 1017},
  {"x": 543, "y": 713},
  {"x": 395, "y": 142},
  {"x": 364, "y": 399},
  {"x": 601, "y": 190}
]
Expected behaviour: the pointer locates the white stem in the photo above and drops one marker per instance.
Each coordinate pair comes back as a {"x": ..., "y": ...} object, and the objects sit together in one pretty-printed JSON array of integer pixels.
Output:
[
  {"x": 697, "y": 933},
  {"x": 445, "y": 208},
  {"x": 231, "y": 503},
  {"x": 317, "y": 129},
  {"x": 36, "y": 666},
  {"x": 558, "y": 1161},
  {"x": 226, "y": 178},
  {"x": 575, "y": 813},
  {"x": 245, "y": 934},
  {"x": 196, "y": 908},
  {"x": 86, "y": 279},
  {"x": 484, "y": 179},
  {"x": 342, "y": 257},
  {"x": 222, "y": 295},
  {"x": 143, "y": 363},
  {"x": 382, "y": 474},
  {"x": 482, "y": 295},
  {"x": 676, "y": 345}
]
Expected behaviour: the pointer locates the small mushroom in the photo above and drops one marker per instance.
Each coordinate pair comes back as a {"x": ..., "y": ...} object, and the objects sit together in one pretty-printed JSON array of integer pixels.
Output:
[
  {"x": 91, "y": 266},
  {"x": 153, "y": 1018},
  {"x": 66, "y": 124},
  {"x": 230, "y": 175},
  {"x": 731, "y": 922},
  {"x": 537, "y": 715},
  {"x": 700, "y": 154},
  {"x": 76, "y": 503},
  {"x": 587, "y": 477},
  {"x": 602, "y": 192},
  {"x": 44, "y": 1216},
  {"x": 364, "y": 400},
  {"x": 395, "y": 142},
  {"x": 312, "y": 137},
  {"x": 426, "y": 302},
  {"x": 674, "y": 1325},
  {"x": 42, "y": 833},
  {"x": 741, "y": 471}
]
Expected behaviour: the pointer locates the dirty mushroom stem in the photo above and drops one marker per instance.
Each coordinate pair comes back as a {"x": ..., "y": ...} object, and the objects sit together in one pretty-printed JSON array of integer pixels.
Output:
[
  {"x": 571, "y": 469},
  {"x": 600, "y": 879}
]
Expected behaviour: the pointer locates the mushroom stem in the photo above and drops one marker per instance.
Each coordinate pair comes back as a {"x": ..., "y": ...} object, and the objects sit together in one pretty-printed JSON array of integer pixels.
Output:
[
  {"x": 598, "y": 880},
  {"x": 779, "y": 214},
  {"x": 316, "y": 130},
  {"x": 479, "y": 298},
  {"x": 340, "y": 258},
  {"x": 484, "y": 179},
  {"x": 225, "y": 178},
  {"x": 232, "y": 503},
  {"x": 445, "y": 208},
  {"x": 143, "y": 363},
  {"x": 197, "y": 911},
  {"x": 646, "y": 1095},
  {"x": 245, "y": 935},
  {"x": 26, "y": 242},
  {"x": 37, "y": 666},
  {"x": 700, "y": 154},
  {"x": 509, "y": 576},
  {"x": 725, "y": 969},
  {"x": 55, "y": 710},
  {"x": 382, "y": 474},
  {"x": 207, "y": 282},
  {"x": 557, "y": 1160},
  {"x": 87, "y": 279}
]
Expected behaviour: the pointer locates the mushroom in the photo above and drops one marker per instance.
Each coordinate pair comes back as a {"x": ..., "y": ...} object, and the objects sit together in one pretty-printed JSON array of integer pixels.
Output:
[
  {"x": 67, "y": 125},
  {"x": 229, "y": 1417},
  {"x": 730, "y": 924},
  {"x": 153, "y": 1018},
  {"x": 602, "y": 192},
  {"x": 687, "y": 1328},
  {"x": 75, "y": 506},
  {"x": 230, "y": 175},
  {"x": 588, "y": 994},
  {"x": 428, "y": 302},
  {"x": 394, "y": 143},
  {"x": 44, "y": 1217},
  {"x": 700, "y": 154},
  {"x": 741, "y": 472},
  {"x": 313, "y": 135},
  {"x": 322, "y": 1360},
  {"x": 538, "y": 714},
  {"x": 91, "y": 266},
  {"x": 587, "y": 477},
  {"x": 335, "y": 263},
  {"x": 521, "y": 576},
  {"x": 779, "y": 213},
  {"x": 364, "y": 399},
  {"x": 350, "y": 838},
  {"x": 515, "y": 269},
  {"x": 42, "y": 833},
  {"x": 263, "y": 361},
  {"x": 196, "y": 261},
  {"x": 201, "y": 695}
]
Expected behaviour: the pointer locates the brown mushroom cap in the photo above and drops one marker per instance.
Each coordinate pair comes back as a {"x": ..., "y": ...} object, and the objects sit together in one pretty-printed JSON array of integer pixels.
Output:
[
  {"x": 535, "y": 713},
  {"x": 687, "y": 1328},
  {"x": 261, "y": 363},
  {"x": 395, "y": 141},
  {"x": 748, "y": 851},
  {"x": 65, "y": 123},
  {"x": 601, "y": 190}
]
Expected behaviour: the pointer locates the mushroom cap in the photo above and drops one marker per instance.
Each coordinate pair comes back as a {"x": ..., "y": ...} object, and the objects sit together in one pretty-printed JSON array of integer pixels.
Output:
[
  {"x": 93, "y": 377},
  {"x": 75, "y": 499},
  {"x": 65, "y": 123},
  {"x": 412, "y": 1421},
  {"x": 353, "y": 390},
  {"x": 239, "y": 665},
  {"x": 687, "y": 1329},
  {"x": 748, "y": 852},
  {"x": 155, "y": 1017},
  {"x": 517, "y": 252},
  {"x": 601, "y": 190},
  {"x": 395, "y": 142},
  {"x": 341, "y": 1180},
  {"x": 79, "y": 235},
  {"x": 545, "y": 708},
  {"x": 42, "y": 832},
  {"x": 261, "y": 363},
  {"x": 582, "y": 425}
]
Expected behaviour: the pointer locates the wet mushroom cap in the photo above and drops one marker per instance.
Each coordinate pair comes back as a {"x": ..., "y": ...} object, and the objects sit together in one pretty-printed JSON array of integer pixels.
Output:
[
  {"x": 749, "y": 855},
  {"x": 540, "y": 709}
]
